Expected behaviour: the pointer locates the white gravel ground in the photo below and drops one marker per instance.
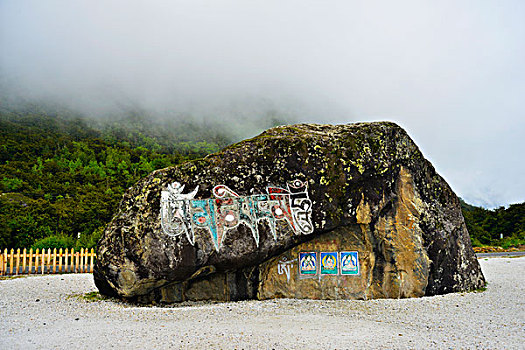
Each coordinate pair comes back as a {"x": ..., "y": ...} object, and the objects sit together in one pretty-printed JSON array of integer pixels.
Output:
[{"x": 43, "y": 312}]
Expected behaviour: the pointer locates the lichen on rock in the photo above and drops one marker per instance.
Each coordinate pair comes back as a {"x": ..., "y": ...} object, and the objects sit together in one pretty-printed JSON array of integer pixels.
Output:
[{"x": 364, "y": 188}]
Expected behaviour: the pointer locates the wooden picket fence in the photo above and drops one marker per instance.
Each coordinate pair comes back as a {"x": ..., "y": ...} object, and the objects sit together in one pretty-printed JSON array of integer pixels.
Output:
[{"x": 43, "y": 262}]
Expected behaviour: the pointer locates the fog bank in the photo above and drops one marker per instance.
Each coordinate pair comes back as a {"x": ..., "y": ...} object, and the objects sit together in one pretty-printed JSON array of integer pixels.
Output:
[{"x": 451, "y": 72}]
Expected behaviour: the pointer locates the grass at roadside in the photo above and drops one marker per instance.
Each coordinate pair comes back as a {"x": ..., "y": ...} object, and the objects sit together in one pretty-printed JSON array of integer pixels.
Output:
[
  {"x": 91, "y": 297},
  {"x": 2, "y": 278}
]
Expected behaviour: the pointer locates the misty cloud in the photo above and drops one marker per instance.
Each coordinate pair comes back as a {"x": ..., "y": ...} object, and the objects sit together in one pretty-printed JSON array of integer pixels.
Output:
[{"x": 450, "y": 72}]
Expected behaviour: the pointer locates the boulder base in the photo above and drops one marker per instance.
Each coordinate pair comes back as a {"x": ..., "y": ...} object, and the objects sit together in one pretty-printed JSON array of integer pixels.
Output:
[{"x": 305, "y": 211}]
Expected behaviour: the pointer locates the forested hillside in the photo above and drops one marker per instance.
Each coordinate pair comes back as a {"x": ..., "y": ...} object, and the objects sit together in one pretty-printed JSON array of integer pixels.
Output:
[
  {"x": 487, "y": 226},
  {"x": 62, "y": 175}
]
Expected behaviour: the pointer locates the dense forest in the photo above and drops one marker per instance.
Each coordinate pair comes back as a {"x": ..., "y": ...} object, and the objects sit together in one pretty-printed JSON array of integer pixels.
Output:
[
  {"x": 499, "y": 227},
  {"x": 62, "y": 175}
]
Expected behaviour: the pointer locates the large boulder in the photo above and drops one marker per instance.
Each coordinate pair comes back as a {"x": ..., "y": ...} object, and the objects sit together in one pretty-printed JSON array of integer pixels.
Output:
[{"x": 308, "y": 211}]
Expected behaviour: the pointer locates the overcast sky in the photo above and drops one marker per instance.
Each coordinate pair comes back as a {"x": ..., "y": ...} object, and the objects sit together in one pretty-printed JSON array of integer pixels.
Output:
[{"x": 452, "y": 73}]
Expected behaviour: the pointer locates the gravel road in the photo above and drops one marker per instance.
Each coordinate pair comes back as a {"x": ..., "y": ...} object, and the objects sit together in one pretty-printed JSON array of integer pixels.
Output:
[{"x": 46, "y": 312}]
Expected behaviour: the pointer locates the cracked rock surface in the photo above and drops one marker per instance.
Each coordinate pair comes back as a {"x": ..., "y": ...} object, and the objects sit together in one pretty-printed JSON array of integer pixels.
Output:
[{"x": 371, "y": 191}]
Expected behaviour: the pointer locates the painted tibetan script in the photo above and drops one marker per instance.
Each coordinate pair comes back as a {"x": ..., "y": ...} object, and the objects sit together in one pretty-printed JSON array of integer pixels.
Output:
[{"x": 182, "y": 214}]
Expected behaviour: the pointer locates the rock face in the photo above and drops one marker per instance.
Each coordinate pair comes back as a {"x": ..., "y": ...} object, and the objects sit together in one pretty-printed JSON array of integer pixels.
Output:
[{"x": 305, "y": 211}]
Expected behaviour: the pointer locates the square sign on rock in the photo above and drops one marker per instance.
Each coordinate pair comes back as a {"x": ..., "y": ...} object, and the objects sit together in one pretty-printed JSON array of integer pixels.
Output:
[
  {"x": 308, "y": 263},
  {"x": 329, "y": 263},
  {"x": 349, "y": 263}
]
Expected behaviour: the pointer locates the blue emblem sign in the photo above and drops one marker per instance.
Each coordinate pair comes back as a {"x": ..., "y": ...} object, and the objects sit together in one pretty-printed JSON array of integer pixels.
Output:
[
  {"x": 349, "y": 263},
  {"x": 329, "y": 263},
  {"x": 308, "y": 263}
]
